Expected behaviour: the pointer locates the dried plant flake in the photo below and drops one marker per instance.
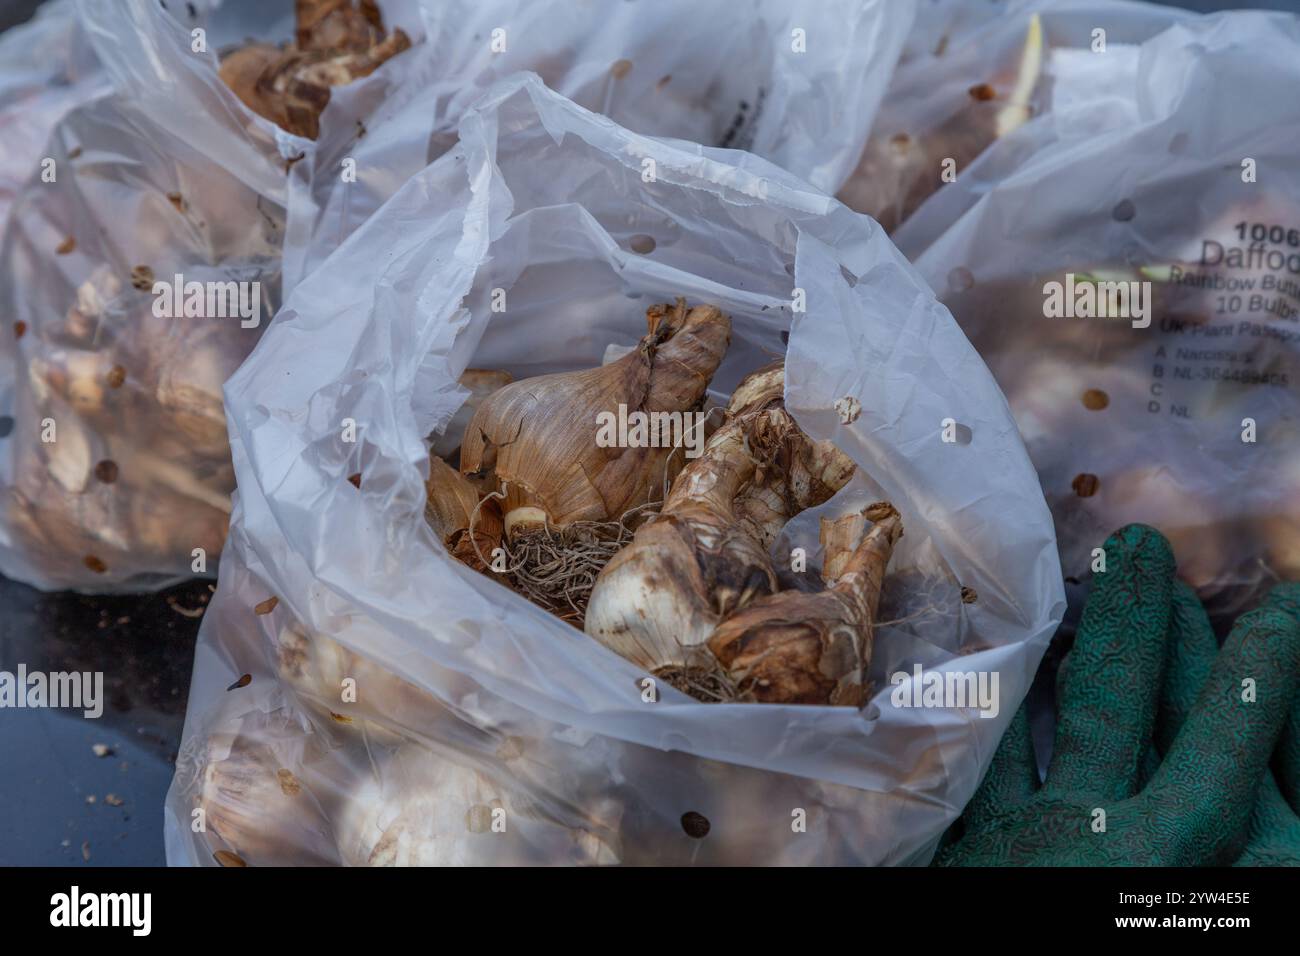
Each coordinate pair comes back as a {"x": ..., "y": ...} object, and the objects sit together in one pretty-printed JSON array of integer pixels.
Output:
[{"x": 848, "y": 409}]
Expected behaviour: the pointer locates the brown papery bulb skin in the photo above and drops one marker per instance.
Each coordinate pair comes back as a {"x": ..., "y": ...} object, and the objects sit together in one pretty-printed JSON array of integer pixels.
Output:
[
  {"x": 481, "y": 383},
  {"x": 793, "y": 473},
  {"x": 336, "y": 42},
  {"x": 453, "y": 511},
  {"x": 762, "y": 388},
  {"x": 242, "y": 70},
  {"x": 800, "y": 648},
  {"x": 658, "y": 599},
  {"x": 535, "y": 440},
  {"x": 337, "y": 25},
  {"x": 839, "y": 539}
]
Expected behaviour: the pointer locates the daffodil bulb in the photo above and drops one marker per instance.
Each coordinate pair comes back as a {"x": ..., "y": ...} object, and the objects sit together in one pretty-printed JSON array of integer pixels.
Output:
[
  {"x": 706, "y": 555},
  {"x": 336, "y": 42},
  {"x": 658, "y": 599},
  {"x": 350, "y": 691},
  {"x": 256, "y": 809},
  {"x": 537, "y": 442},
  {"x": 796, "y": 647},
  {"x": 422, "y": 809},
  {"x": 792, "y": 473},
  {"x": 480, "y": 382}
]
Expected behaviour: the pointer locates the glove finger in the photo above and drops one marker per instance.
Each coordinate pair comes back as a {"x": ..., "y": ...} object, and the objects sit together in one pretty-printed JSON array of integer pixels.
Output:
[
  {"x": 1013, "y": 775},
  {"x": 1286, "y": 761},
  {"x": 1188, "y": 660},
  {"x": 1108, "y": 699},
  {"x": 1273, "y": 836},
  {"x": 1285, "y": 597},
  {"x": 1206, "y": 785}
]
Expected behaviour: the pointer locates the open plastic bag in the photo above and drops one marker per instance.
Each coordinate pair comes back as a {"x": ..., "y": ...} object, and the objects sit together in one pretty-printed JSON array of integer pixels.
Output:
[
  {"x": 136, "y": 280},
  {"x": 483, "y": 729},
  {"x": 1169, "y": 164}
]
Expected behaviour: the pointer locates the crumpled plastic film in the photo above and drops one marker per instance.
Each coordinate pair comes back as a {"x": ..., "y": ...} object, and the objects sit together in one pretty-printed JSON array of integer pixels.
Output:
[{"x": 797, "y": 82}]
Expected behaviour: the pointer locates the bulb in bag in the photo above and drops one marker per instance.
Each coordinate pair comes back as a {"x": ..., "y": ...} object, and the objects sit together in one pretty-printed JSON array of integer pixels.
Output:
[
  {"x": 535, "y": 441},
  {"x": 256, "y": 808},
  {"x": 357, "y": 695},
  {"x": 423, "y": 809},
  {"x": 795, "y": 647},
  {"x": 480, "y": 382},
  {"x": 561, "y": 485},
  {"x": 705, "y": 556},
  {"x": 904, "y": 163},
  {"x": 336, "y": 42}
]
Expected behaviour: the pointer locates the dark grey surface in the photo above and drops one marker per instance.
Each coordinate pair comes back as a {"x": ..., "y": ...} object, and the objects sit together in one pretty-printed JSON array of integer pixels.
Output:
[
  {"x": 16, "y": 11},
  {"x": 49, "y": 773}
]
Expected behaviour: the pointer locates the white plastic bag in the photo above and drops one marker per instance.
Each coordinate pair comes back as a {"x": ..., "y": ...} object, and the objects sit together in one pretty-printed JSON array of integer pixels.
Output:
[
  {"x": 472, "y": 705},
  {"x": 114, "y": 462},
  {"x": 1169, "y": 163},
  {"x": 796, "y": 82}
]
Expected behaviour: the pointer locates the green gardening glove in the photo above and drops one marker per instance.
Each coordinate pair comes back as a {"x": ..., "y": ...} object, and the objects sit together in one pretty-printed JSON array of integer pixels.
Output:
[
  {"x": 1094, "y": 809},
  {"x": 1273, "y": 834}
]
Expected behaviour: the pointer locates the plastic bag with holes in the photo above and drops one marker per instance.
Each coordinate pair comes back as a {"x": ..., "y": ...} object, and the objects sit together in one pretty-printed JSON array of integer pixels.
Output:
[
  {"x": 362, "y": 697},
  {"x": 133, "y": 282},
  {"x": 796, "y": 82},
  {"x": 1128, "y": 263},
  {"x": 972, "y": 73}
]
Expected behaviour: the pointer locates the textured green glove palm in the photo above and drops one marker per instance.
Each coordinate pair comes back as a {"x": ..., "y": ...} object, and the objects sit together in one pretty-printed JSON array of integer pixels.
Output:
[{"x": 1104, "y": 803}]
